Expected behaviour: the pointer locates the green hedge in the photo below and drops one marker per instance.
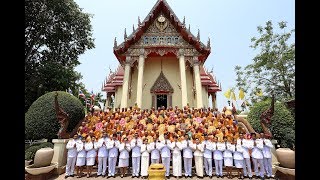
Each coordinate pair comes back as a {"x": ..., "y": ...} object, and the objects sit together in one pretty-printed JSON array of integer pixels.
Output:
[
  {"x": 31, "y": 150},
  {"x": 282, "y": 124},
  {"x": 41, "y": 121}
]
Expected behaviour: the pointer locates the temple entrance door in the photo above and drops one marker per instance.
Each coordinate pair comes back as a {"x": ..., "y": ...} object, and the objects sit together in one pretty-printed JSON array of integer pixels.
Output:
[{"x": 162, "y": 100}]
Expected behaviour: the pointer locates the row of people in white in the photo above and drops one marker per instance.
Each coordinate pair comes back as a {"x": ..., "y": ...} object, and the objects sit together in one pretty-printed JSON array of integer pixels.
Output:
[{"x": 202, "y": 153}]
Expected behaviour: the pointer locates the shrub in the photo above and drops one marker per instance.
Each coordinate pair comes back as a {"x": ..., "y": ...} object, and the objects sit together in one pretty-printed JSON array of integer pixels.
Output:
[
  {"x": 31, "y": 151},
  {"x": 41, "y": 121},
  {"x": 282, "y": 124}
]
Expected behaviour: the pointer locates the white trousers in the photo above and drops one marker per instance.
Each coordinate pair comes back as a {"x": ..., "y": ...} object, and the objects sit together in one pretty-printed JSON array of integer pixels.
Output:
[
  {"x": 218, "y": 165},
  {"x": 112, "y": 165},
  {"x": 208, "y": 166},
  {"x": 135, "y": 166},
  {"x": 166, "y": 163},
  {"x": 268, "y": 166},
  {"x": 187, "y": 162},
  {"x": 199, "y": 165},
  {"x": 247, "y": 166},
  {"x": 255, "y": 165},
  {"x": 71, "y": 162},
  {"x": 102, "y": 165},
  {"x": 155, "y": 161}
]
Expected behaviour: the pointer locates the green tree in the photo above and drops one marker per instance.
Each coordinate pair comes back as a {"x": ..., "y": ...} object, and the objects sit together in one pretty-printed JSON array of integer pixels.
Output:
[
  {"x": 56, "y": 33},
  {"x": 273, "y": 68}
]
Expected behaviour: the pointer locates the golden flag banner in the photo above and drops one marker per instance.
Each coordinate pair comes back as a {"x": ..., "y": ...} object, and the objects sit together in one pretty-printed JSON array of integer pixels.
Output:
[
  {"x": 233, "y": 96},
  {"x": 241, "y": 94},
  {"x": 259, "y": 92},
  {"x": 227, "y": 93}
]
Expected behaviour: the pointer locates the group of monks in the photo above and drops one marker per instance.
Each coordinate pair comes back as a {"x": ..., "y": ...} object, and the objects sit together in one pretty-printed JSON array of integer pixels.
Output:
[{"x": 154, "y": 123}]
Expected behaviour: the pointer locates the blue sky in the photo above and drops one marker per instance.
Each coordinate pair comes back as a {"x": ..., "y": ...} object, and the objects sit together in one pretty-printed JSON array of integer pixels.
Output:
[{"x": 230, "y": 24}]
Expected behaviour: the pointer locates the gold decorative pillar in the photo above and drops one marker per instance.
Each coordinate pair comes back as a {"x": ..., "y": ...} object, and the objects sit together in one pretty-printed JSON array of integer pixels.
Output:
[
  {"x": 182, "y": 65},
  {"x": 140, "y": 78},
  {"x": 125, "y": 85},
  {"x": 197, "y": 80}
]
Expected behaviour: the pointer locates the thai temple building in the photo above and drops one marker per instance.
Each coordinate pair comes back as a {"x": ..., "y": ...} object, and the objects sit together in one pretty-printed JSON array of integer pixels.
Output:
[{"x": 161, "y": 63}]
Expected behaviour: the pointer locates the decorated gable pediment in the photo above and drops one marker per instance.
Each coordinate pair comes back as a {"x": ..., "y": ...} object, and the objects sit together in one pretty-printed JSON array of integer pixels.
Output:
[
  {"x": 161, "y": 30},
  {"x": 161, "y": 85}
]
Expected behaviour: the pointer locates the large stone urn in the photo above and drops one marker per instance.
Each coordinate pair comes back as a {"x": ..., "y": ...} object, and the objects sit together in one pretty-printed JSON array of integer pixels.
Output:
[
  {"x": 43, "y": 157},
  {"x": 286, "y": 157}
]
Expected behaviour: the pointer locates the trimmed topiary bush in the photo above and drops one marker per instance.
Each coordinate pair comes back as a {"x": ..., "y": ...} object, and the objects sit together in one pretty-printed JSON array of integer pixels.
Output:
[
  {"x": 41, "y": 121},
  {"x": 31, "y": 151},
  {"x": 282, "y": 124}
]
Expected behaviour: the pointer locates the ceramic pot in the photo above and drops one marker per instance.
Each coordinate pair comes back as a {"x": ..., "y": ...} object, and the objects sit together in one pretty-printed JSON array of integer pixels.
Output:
[
  {"x": 286, "y": 157},
  {"x": 43, "y": 157}
]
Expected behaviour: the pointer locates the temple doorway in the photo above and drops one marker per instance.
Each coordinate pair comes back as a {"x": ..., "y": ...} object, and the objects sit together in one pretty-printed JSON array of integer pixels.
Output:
[{"x": 162, "y": 100}]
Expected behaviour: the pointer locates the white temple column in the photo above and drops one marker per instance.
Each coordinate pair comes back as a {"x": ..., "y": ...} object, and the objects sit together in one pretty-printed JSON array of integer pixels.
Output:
[
  {"x": 182, "y": 65},
  {"x": 140, "y": 78},
  {"x": 213, "y": 99},
  {"x": 125, "y": 85},
  {"x": 196, "y": 71}
]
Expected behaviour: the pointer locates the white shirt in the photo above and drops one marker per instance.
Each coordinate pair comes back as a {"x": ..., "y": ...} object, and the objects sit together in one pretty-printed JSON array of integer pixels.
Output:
[
  {"x": 102, "y": 148},
  {"x": 91, "y": 150},
  {"x": 217, "y": 154},
  {"x": 144, "y": 150},
  {"x": 238, "y": 153},
  {"x": 72, "y": 151},
  {"x": 152, "y": 147},
  {"x": 112, "y": 146},
  {"x": 247, "y": 144},
  {"x": 164, "y": 148},
  {"x": 175, "y": 147},
  {"x": 186, "y": 146},
  {"x": 229, "y": 150},
  {"x": 208, "y": 149},
  {"x": 267, "y": 148},
  {"x": 257, "y": 150},
  {"x": 124, "y": 149},
  {"x": 199, "y": 149},
  {"x": 80, "y": 149},
  {"x": 135, "y": 148}
]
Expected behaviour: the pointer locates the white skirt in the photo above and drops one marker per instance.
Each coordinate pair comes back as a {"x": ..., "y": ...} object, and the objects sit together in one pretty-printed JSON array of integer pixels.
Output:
[
  {"x": 123, "y": 162},
  {"x": 238, "y": 163},
  {"x": 90, "y": 161},
  {"x": 81, "y": 161},
  {"x": 228, "y": 161}
]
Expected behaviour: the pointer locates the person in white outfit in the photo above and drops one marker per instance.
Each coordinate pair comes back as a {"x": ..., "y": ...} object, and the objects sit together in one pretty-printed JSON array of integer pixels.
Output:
[
  {"x": 91, "y": 147},
  {"x": 198, "y": 157},
  {"x": 267, "y": 145},
  {"x": 71, "y": 156},
  {"x": 238, "y": 158},
  {"x": 81, "y": 157},
  {"x": 136, "y": 153},
  {"x": 175, "y": 146},
  {"x": 165, "y": 153},
  {"x": 186, "y": 145},
  {"x": 102, "y": 155},
  {"x": 218, "y": 156},
  {"x": 144, "y": 159},
  {"x": 228, "y": 156},
  {"x": 112, "y": 146},
  {"x": 124, "y": 149},
  {"x": 257, "y": 155},
  {"x": 207, "y": 155},
  {"x": 155, "y": 153},
  {"x": 247, "y": 145}
]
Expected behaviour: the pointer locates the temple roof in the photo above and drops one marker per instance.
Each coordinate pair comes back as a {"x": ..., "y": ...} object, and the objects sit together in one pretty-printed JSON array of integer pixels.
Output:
[
  {"x": 116, "y": 79},
  {"x": 162, "y": 6}
]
